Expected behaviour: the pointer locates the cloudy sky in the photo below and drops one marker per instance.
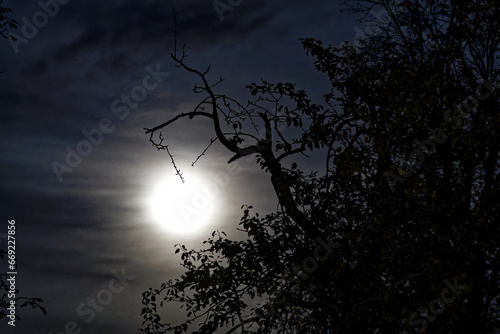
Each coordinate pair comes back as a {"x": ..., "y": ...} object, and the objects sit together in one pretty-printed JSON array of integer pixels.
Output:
[{"x": 89, "y": 194}]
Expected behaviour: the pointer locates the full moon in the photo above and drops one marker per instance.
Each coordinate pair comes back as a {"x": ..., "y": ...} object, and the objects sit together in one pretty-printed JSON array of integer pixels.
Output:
[{"x": 183, "y": 208}]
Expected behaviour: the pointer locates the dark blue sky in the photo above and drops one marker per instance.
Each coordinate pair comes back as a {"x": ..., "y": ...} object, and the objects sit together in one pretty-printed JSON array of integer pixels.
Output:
[{"x": 84, "y": 228}]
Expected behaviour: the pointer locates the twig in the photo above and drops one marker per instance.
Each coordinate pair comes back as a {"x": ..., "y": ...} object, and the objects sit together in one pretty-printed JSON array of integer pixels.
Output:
[
  {"x": 203, "y": 153},
  {"x": 177, "y": 170}
]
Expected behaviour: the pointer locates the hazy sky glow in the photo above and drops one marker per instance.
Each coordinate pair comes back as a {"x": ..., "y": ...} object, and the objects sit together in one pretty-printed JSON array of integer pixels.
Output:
[{"x": 78, "y": 172}]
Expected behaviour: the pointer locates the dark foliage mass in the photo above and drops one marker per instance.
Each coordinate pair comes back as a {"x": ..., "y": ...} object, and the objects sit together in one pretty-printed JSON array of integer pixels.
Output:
[
  {"x": 5, "y": 21},
  {"x": 397, "y": 230}
]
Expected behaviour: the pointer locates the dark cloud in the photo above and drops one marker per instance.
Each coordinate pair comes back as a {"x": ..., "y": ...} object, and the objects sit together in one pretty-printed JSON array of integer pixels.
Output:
[{"x": 38, "y": 67}]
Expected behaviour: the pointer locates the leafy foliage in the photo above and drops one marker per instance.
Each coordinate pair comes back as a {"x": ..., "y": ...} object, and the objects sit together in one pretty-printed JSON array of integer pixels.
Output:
[
  {"x": 408, "y": 200},
  {"x": 5, "y": 21},
  {"x": 20, "y": 301}
]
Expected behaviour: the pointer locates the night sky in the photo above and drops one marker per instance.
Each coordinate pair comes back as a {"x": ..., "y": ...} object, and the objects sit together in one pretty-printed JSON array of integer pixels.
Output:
[{"x": 100, "y": 72}]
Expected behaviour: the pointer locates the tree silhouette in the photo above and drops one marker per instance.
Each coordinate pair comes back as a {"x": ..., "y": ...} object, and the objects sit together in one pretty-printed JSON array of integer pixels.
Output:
[
  {"x": 5, "y": 21},
  {"x": 397, "y": 230}
]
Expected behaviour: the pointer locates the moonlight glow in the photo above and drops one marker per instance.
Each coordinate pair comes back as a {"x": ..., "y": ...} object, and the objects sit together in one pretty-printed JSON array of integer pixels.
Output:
[{"x": 183, "y": 208}]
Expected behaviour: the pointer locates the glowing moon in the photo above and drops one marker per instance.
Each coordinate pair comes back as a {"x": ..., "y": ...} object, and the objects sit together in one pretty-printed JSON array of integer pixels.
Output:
[{"x": 183, "y": 208}]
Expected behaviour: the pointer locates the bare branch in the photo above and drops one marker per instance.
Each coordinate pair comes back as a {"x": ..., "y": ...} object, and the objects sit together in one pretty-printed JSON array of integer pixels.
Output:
[
  {"x": 212, "y": 140},
  {"x": 160, "y": 146},
  {"x": 189, "y": 114},
  {"x": 244, "y": 322}
]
